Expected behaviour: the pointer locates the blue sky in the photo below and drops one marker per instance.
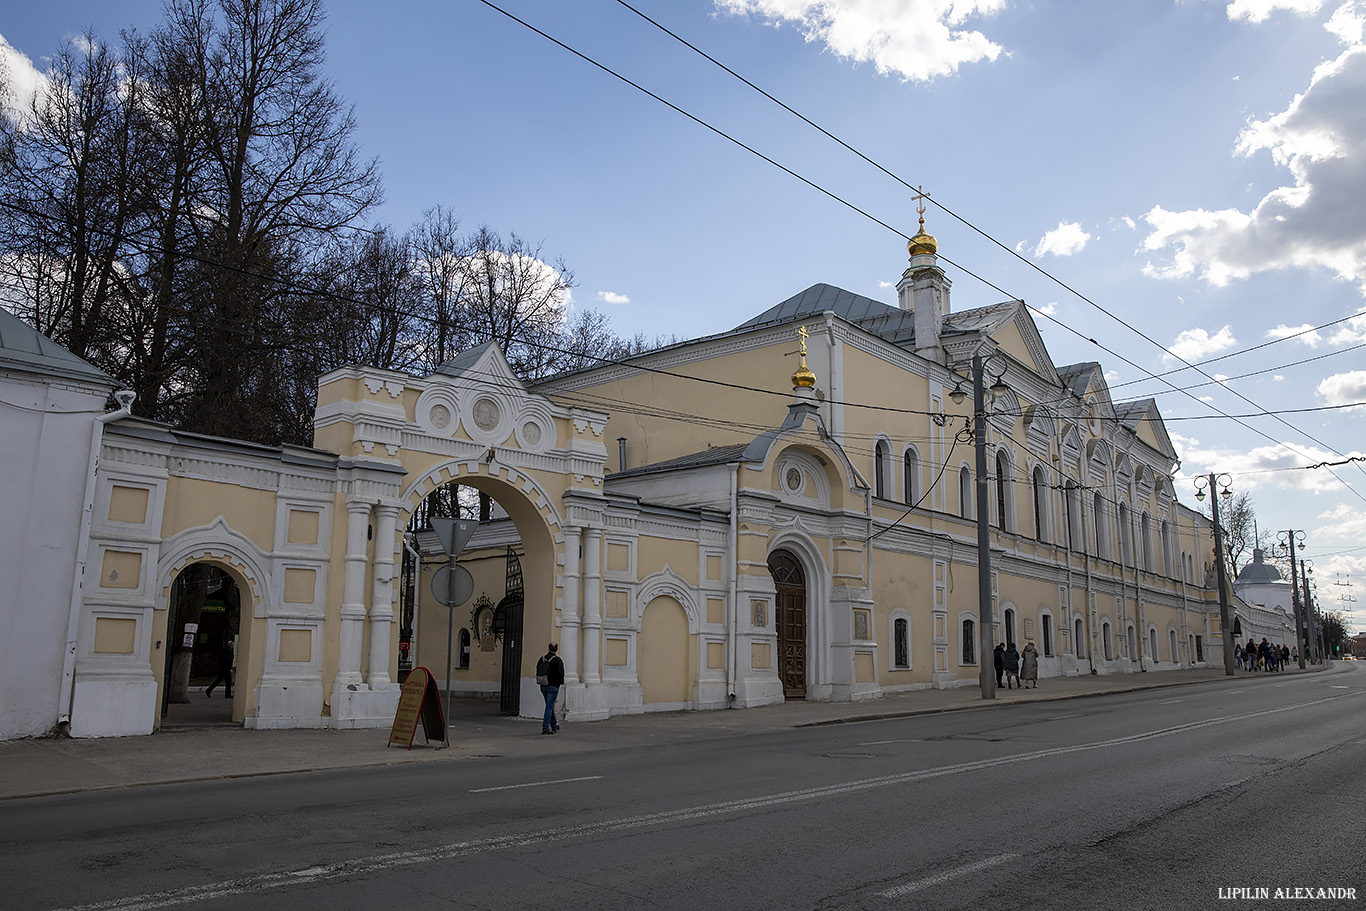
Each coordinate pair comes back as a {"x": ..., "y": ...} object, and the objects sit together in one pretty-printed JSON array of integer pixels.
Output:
[{"x": 1195, "y": 167}]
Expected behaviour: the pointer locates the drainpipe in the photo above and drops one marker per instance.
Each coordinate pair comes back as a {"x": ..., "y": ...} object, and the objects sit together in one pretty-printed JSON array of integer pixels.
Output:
[
  {"x": 732, "y": 666},
  {"x": 125, "y": 399}
]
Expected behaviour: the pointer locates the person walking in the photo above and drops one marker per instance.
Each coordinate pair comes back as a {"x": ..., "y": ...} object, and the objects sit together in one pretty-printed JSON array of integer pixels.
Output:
[
  {"x": 1011, "y": 660},
  {"x": 225, "y": 666},
  {"x": 998, "y": 657},
  {"x": 1029, "y": 666},
  {"x": 550, "y": 676}
]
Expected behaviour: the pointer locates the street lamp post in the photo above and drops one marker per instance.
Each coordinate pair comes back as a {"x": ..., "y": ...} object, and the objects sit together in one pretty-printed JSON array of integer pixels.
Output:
[
  {"x": 1218, "y": 485},
  {"x": 986, "y": 630},
  {"x": 1288, "y": 540}
]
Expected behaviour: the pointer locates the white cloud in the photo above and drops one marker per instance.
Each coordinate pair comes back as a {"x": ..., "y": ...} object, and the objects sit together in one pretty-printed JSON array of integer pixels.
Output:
[
  {"x": 1352, "y": 332},
  {"x": 1048, "y": 309},
  {"x": 1278, "y": 378},
  {"x": 885, "y": 285},
  {"x": 1064, "y": 240},
  {"x": 1315, "y": 222},
  {"x": 1271, "y": 467},
  {"x": 612, "y": 297},
  {"x": 1305, "y": 333},
  {"x": 1196, "y": 344},
  {"x": 1344, "y": 388},
  {"x": 1348, "y": 22},
  {"x": 25, "y": 81},
  {"x": 1261, "y": 10},
  {"x": 915, "y": 39}
]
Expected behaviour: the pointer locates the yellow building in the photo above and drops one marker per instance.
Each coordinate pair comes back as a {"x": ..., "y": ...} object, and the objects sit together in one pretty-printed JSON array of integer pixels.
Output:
[{"x": 783, "y": 511}]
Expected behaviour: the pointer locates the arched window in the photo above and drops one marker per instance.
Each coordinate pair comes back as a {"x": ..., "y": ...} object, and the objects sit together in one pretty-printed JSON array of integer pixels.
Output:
[
  {"x": 969, "y": 642},
  {"x": 1098, "y": 516},
  {"x": 965, "y": 492},
  {"x": 1130, "y": 643},
  {"x": 1171, "y": 645},
  {"x": 1040, "y": 485},
  {"x": 901, "y": 643},
  {"x": 1152, "y": 643},
  {"x": 462, "y": 659},
  {"x": 1046, "y": 625},
  {"x": 882, "y": 459},
  {"x": 910, "y": 471},
  {"x": 1145, "y": 531},
  {"x": 1010, "y": 626},
  {"x": 1126, "y": 537},
  {"x": 1071, "y": 504},
  {"x": 1080, "y": 639},
  {"x": 1002, "y": 476},
  {"x": 1106, "y": 648},
  {"x": 1168, "y": 553}
]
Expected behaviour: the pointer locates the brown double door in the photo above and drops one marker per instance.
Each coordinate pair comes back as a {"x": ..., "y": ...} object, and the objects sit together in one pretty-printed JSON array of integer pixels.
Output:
[{"x": 790, "y": 620}]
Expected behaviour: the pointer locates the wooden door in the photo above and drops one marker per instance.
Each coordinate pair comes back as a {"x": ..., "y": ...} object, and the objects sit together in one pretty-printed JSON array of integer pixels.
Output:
[{"x": 790, "y": 620}]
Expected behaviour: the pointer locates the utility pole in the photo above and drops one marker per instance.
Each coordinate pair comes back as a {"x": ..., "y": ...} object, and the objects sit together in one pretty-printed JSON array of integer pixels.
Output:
[{"x": 1291, "y": 538}]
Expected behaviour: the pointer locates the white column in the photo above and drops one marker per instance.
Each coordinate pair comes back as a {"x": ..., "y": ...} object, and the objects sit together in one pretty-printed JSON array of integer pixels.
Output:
[
  {"x": 569, "y": 607},
  {"x": 353, "y": 594},
  {"x": 382, "y": 599},
  {"x": 592, "y": 605}
]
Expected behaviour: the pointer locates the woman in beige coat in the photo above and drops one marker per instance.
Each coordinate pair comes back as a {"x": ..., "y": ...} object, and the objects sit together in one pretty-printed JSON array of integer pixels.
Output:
[{"x": 1029, "y": 666}]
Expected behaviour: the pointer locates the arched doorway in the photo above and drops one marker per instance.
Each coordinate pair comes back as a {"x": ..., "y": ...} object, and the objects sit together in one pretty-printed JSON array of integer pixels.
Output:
[
  {"x": 790, "y": 621},
  {"x": 506, "y": 621},
  {"x": 203, "y": 627}
]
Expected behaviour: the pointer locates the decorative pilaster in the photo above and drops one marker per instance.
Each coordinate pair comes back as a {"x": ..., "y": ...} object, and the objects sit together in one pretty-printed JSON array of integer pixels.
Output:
[
  {"x": 592, "y": 606},
  {"x": 353, "y": 594},
  {"x": 569, "y": 606},
  {"x": 382, "y": 600}
]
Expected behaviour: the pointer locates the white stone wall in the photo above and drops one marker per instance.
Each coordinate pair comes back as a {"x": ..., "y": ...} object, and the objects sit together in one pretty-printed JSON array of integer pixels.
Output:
[{"x": 45, "y": 433}]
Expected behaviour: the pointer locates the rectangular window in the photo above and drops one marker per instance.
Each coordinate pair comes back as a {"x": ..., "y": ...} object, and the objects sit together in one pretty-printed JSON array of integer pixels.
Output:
[{"x": 1047, "y": 636}]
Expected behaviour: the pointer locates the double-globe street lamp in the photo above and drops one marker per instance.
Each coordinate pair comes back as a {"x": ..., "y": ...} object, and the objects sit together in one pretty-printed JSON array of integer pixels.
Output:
[{"x": 1219, "y": 482}]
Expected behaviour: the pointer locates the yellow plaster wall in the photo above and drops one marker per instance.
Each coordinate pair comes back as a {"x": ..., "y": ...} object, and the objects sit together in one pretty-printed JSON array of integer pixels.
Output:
[
  {"x": 657, "y": 438},
  {"x": 656, "y": 553},
  {"x": 191, "y": 503}
]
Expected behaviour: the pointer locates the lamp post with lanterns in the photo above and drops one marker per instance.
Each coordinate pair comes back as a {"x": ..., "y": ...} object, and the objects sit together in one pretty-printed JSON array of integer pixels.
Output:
[
  {"x": 1218, "y": 486},
  {"x": 980, "y": 367}
]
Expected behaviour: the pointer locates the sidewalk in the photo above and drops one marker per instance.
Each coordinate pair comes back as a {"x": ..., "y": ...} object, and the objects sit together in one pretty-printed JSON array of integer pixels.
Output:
[{"x": 30, "y": 768}]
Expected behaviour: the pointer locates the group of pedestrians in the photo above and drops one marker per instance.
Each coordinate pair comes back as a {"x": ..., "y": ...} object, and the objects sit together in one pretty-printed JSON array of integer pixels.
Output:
[
  {"x": 1263, "y": 656},
  {"x": 1020, "y": 669}
]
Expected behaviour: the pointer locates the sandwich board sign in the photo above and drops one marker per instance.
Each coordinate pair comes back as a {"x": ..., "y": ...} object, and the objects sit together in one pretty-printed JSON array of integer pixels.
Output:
[{"x": 419, "y": 701}]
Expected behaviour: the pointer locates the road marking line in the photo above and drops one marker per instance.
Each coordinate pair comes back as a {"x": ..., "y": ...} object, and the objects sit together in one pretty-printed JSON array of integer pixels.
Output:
[
  {"x": 1335, "y": 686},
  {"x": 1065, "y": 717},
  {"x": 1171, "y": 702},
  {"x": 533, "y": 784},
  {"x": 941, "y": 878},
  {"x": 878, "y": 743},
  {"x": 382, "y": 862}
]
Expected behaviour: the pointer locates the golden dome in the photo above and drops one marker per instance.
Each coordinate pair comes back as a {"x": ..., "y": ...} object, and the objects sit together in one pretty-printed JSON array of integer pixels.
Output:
[
  {"x": 922, "y": 242},
  {"x": 803, "y": 378}
]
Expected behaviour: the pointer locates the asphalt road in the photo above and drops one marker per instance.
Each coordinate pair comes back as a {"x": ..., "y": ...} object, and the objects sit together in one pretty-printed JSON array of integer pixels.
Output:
[{"x": 1167, "y": 798}]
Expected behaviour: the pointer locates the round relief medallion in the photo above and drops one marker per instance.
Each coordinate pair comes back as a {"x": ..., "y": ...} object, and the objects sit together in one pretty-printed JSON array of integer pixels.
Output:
[
  {"x": 440, "y": 416},
  {"x": 531, "y": 432},
  {"x": 794, "y": 479},
  {"x": 486, "y": 414}
]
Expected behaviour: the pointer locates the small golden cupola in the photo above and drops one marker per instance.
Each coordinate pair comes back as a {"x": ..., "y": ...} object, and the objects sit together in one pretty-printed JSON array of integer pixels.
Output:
[
  {"x": 923, "y": 243},
  {"x": 803, "y": 378}
]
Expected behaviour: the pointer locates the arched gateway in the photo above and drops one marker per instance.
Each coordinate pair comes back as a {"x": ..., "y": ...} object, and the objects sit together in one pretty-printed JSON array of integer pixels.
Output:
[{"x": 642, "y": 588}]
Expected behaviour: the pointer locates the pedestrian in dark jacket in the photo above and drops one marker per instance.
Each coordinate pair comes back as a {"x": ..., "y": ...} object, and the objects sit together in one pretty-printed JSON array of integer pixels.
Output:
[
  {"x": 1011, "y": 660},
  {"x": 550, "y": 676},
  {"x": 998, "y": 656}
]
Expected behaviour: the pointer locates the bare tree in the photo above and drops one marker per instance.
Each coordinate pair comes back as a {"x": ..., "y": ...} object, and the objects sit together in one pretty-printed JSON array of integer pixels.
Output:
[
  {"x": 71, "y": 196},
  {"x": 283, "y": 179}
]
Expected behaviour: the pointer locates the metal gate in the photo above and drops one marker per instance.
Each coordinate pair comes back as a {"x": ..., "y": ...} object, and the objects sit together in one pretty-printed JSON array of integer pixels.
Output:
[{"x": 510, "y": 612}]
